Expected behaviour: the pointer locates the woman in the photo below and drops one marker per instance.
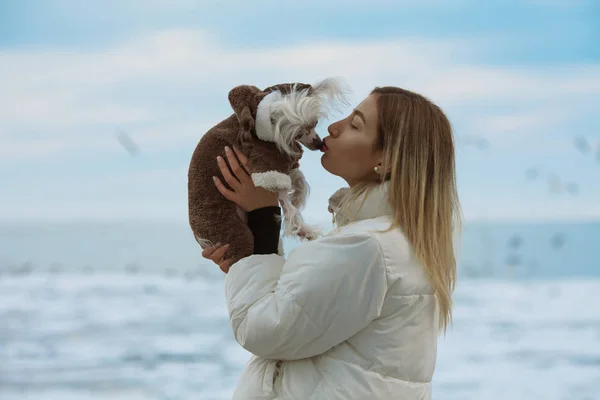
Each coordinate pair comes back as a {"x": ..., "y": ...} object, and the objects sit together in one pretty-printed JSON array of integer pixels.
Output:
[{"x": 354, "y": 314}]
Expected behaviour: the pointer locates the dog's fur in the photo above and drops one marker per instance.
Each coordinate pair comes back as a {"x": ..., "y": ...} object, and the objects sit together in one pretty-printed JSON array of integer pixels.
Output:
[{"x": 268, "y": 126}]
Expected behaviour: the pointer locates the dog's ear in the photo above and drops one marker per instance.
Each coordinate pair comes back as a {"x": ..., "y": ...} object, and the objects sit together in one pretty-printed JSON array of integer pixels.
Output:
[
  {"x": 243, "y": 100},
  {"x": 246, "y": 121}
]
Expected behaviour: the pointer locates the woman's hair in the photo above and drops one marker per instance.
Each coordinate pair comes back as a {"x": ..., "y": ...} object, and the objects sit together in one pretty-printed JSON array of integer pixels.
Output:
[{"x": 418, "y": 154}]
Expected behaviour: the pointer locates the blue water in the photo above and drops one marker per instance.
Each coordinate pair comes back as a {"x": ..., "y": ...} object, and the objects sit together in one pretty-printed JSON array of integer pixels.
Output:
[
  {"x": 534, "y": 250},
  {"x": 131, "y": 311},
  {"x": 538, "y": 250}
]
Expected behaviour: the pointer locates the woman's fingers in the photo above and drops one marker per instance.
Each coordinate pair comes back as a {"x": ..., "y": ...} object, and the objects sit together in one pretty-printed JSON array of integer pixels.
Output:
[
  {"x": 229, "y": 178},
  {"x": 219, "y": 253},
  {"x": 236, "y": 168},
  {"x": 243, "y": 159},
  {"x": 228, "y": 194},
  {"x": 216, "y": 252},
  {"x": 207, "y": 252},
  {"x": 225, "y": 265}
]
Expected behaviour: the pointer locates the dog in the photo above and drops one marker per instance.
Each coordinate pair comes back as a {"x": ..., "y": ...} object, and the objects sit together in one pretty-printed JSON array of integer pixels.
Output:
[{"x": 270, "y": 127}]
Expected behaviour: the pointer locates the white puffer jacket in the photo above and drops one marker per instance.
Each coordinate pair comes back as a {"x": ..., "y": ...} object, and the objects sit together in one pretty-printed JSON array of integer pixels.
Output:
[{"x": 347, "y": 316}]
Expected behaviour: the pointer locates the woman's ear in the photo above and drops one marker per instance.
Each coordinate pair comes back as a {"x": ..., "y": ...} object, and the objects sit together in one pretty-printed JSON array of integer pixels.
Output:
[{"x": 384, "y": 174}]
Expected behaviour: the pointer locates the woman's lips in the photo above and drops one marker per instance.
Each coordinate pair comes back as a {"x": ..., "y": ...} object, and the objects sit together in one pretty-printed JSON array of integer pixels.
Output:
[{"x": 324, "y": 147}]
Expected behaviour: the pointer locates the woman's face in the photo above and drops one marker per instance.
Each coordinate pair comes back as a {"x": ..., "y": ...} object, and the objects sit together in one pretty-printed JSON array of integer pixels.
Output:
[{"x": 349, "y": 151}]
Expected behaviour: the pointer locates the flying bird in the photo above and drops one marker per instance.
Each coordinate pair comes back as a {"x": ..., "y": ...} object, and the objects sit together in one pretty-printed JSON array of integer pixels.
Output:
[
  {"x": 572, "y": 188},
  {"x": 515, "y": 241},
  {"x": 582, "y": 144},
  {"x": 532, "y": 173},
  {"x": 557, "y": 240},
  {"x": 128, "y": 144},
  {"x": 478, "y": 141}
]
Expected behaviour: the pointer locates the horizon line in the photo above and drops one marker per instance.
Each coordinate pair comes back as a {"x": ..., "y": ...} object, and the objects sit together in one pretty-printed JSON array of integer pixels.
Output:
[{"x": 473, "y": 220}]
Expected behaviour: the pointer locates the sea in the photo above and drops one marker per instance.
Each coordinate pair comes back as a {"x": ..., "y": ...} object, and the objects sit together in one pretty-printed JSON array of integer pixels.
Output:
[{"x": 130, "y": 310}]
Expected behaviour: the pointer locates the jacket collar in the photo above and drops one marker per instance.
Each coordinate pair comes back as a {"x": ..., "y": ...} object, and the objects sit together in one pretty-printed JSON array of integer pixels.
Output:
[{"x": 375, "y": 205}]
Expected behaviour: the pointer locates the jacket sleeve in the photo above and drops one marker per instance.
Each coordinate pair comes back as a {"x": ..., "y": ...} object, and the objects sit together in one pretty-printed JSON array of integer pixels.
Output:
[
  {"x": 327, "y": 291},
  {"x": 265, "y": 227}
]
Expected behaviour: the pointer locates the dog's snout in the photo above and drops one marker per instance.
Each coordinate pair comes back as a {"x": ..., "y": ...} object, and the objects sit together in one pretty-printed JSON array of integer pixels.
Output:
[
  {"x": 317, "y": 143},
  {"x": 314, "y": 143},
  {"x": 311, "y": 140}
]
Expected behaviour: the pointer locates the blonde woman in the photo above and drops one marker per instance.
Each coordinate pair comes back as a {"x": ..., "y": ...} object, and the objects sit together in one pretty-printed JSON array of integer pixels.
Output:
[{"x": 355, "y": 314}]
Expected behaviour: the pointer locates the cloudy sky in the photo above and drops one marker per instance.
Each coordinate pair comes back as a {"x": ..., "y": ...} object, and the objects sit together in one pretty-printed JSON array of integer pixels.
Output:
[{"x": 520, "y": 82}]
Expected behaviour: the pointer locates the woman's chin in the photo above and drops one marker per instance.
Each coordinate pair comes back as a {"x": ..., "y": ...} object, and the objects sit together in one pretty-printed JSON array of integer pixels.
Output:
[{"x": 324, "y": 161}]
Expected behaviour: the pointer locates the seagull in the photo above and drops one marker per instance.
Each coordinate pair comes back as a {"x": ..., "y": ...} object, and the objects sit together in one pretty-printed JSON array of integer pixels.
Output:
[
  {"x": 128, "y": 144},
  {"x": 515, "y": 241},
  {"x": 572, "y": 188},
  {"x": 478, "y": 141},
  {"x": 532, "y": 173},
  {"x": 582, "y": 144},
  {"x": 557, "y": 241}
]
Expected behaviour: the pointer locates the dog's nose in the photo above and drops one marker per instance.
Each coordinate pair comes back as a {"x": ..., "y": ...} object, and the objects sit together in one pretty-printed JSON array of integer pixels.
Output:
[
  {"x": 311, "y": 140},
  {"x": 317, "y": 143}
]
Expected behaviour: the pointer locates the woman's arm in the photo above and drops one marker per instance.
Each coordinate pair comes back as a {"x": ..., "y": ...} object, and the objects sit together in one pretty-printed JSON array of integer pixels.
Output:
[{"x": 327, "y": 291}]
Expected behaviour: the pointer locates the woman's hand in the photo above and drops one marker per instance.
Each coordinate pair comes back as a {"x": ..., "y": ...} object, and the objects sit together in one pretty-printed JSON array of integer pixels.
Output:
[
  {"x": 247, "y": 196},
  {"x": 216, "y": 254}
]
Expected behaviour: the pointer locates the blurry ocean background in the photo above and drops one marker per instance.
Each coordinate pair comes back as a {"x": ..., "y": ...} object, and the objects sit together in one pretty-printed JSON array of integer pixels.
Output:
[
  {"x": 103, "y": 291},
  {"x": 131, "y": 311}
]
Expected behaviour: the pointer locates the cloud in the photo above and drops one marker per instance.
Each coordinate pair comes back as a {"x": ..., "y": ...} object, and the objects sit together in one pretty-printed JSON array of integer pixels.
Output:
[
  {"x": 176, "y": 79},
  {"x": 165, "y": 89},
  {"x": 531, "y": 123}
]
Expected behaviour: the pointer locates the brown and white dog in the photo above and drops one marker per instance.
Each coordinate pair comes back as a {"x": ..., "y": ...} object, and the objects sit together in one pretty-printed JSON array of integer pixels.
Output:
[{"x": 268, "y": 126}]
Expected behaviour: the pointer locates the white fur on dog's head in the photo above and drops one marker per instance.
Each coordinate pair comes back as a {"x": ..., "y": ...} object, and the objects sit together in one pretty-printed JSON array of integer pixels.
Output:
[{"x": 284, "y": 118}]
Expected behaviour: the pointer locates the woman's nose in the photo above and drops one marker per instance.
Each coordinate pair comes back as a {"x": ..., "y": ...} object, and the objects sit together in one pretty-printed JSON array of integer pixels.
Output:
[{"x": 333, "y": 129}]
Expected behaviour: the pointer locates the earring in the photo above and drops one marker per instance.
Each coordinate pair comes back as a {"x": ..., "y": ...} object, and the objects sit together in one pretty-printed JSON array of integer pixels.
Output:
[{"x": 376, "y": 169}]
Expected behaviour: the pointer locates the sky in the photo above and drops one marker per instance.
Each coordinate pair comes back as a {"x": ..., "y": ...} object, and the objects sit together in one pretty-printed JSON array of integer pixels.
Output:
[{"x": 520, "y": 82}]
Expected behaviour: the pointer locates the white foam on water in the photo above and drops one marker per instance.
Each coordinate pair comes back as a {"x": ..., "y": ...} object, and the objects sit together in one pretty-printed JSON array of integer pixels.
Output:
[{"x": 152, "y": 337}]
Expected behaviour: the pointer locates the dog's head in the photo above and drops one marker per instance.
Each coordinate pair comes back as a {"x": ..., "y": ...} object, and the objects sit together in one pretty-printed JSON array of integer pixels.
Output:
[{"x": 286, "y": 113}]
